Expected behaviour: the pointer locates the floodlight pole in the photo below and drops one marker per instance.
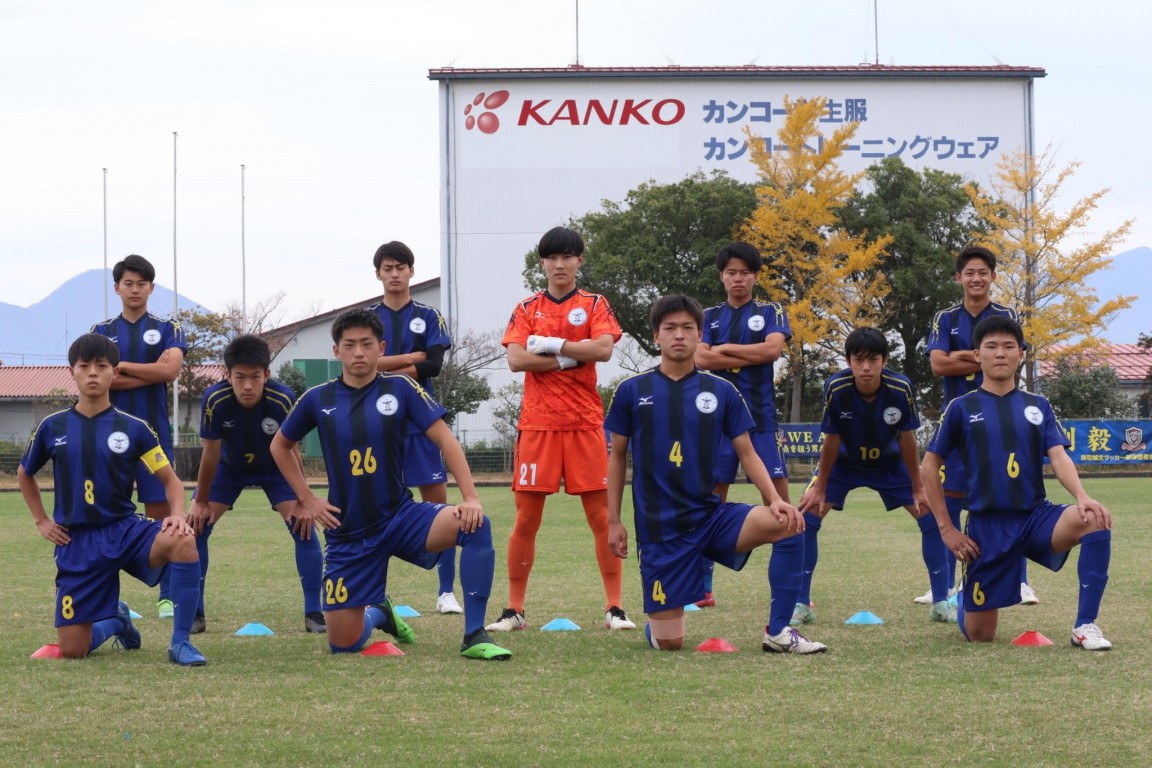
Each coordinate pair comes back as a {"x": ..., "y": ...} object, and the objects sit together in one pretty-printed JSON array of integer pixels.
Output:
[
  {"x": 104, "y": 276},
  {"x": 243, "y": 262},
  {"x": 175, "y": 301}
]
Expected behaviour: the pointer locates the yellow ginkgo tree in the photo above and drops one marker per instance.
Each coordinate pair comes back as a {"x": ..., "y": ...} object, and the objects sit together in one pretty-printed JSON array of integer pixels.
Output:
[
  {"x": 1046, "y": 256},
  {"x": 825, "y": 277}
]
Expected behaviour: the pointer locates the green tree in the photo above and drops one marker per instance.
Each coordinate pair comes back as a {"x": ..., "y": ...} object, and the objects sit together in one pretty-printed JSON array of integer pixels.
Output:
[
  {"x": 1046, "y": 256},
  {"x": 292, "y": 377},
  {"x": 206, "y": 333},
  {"x": 458, "y": 387},
  {"x": 1146, "y": 398},
  {"x": 823, "y": 274},
  {"x": 929, "y": 218},
  {"x": 1079, "y": 390},
  {"x": 506, "y": 414},
  {"x": 661, "y": 239}
]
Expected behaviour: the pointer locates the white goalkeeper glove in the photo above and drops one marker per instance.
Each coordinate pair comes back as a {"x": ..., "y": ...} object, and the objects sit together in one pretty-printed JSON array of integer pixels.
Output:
[{"x": 545, "y": 345}]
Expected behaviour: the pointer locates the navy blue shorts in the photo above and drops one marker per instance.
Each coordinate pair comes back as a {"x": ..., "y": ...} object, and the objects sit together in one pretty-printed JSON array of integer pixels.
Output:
[
  {"x": 672, "y": 572},
  {"x": 228, "y": 484},
  {"x": 423, "y": 464},
  {"x": 88, "y": 568},
  {"x": 993, "y": 579},
  {"x": 356, "y": 572},
  {"x": 892, "y": 483},
  {"x": 767, "y": 447}
]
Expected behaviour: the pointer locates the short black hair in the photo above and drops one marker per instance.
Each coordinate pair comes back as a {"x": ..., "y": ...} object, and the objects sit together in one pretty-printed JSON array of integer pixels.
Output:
[
  {"x": 667, "y": 305},
  {"x": 134, "y": 263},
  {"x": 975, "y": 252},
  {"x": 560, "y": 240},
  {"x": 997, "y": 324},
  {"x": 357, "y": 318},
  {"x": 742, "y": 251},
  {"x": 396, "y": 251},
  {"x": 248, "y": 349},
  {"x": 866, "y": 342},
  {"x": 93, "y": 347}
]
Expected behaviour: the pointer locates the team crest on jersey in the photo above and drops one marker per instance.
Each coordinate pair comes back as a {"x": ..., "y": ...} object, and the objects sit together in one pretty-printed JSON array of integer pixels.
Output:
[
  {"x": 269, "y": 425},
  {"x": 1033, "y": 414},
  {"x": 891, "y": 416},
  {"x": 706, "y": 402},
  {"x": 756, "y": 323},
  {"x": 151, "y": 337},
  {"x": 417, "y": 325},
  {"x": 578, "y": 316},
  {"x": 387, "y": 404},
  {"x": 118, "y": 442}
]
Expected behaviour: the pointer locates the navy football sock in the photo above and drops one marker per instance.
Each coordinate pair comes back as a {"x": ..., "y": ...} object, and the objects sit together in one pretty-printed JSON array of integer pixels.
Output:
[
  {"x": 935, "y": 556},
  {"x": 185, "y": 598},
  {"x": 1095, "y": 555},
  {"x": 811, "y": 556},
  {"x": 367, "y": 633},
  {"x": 477, "y": 564},
  {"x": 784, "y": 567},
  {"x": 104, "y": 629},
  {"x": 202, "y": 550},
  {"x": 310, "y": 567},
  {"x": 446, "y": 569}
]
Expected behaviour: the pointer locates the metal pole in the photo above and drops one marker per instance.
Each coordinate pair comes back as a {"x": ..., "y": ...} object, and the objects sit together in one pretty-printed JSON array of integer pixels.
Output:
[
  {"x": 577, "y": 32},
  {"x": 876, "y": 30},
  {"x": 175, "y": 300},
  {"x": 104, "y": 276},
  {"x": 243, "y": 262}
]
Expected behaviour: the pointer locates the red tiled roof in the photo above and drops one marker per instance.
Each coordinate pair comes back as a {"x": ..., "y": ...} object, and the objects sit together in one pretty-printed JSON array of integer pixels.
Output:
[
  {"x": 28, "y": 381},
  {"x": 1131, "y": 362}
]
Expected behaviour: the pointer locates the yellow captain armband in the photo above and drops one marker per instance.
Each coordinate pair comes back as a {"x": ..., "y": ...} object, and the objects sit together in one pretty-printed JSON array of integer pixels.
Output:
[{"x": 155, "y": 460}]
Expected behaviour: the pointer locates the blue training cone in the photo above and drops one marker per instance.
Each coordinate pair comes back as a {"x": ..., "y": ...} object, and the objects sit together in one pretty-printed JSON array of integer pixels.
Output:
[
  {"x": 560, "y": 625},
  {"x": 864, "y": 617},
  {"x": 254, "y": 629},
  {"x": 405, "y": 611},
  {"x": 134, "y": 615},
  {"x": 691, "y": 607}
]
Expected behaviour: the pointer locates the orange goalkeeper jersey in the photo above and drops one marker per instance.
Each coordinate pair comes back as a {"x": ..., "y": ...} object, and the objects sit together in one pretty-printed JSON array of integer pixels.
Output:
[{"x": 561, "y": 400}]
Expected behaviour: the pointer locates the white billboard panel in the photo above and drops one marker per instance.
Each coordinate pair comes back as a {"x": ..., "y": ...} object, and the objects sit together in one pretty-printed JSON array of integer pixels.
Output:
[{"x": 524, "y": 151}]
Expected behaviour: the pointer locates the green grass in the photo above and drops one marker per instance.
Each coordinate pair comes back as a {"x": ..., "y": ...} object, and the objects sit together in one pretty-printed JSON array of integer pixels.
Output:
[{"x": 907, "y": 693}]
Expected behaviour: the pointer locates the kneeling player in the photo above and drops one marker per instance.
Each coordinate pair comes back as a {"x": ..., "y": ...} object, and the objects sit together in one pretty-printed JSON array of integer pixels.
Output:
[
  {"x": 869, "y": 428},
  {"x": 95, "y": 450},
  {"x": 676, "y": 418},
  {"x": 362, "y": 418},
  {"x": 239, "y": 417},
  {"x": 1003, "y": 434}
]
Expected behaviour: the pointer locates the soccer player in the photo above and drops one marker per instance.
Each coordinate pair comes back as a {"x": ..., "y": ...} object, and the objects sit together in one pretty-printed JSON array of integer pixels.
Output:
[
  {"x": 869, "y": 427},
  {"x": 1003, "y": 435},
  {"x": 556, "y": 337},
  {"x": 238, "y": 418},
  {"x": 362, "y": 418},
  {"x": 743, "y": 339},
  {"x": 95, "y": 449},
  {"x": 151, "y": 353},
  {"x": 415, "y": 339},
  {"x": 951, "y": 353},
  {"x": 676, "y": 419}
]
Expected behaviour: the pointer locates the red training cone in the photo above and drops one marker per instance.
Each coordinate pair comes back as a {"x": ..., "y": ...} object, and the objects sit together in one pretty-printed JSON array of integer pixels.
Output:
[
  {"x": 382, "y": 649},
  {"x": 1031, "y": 639},
  {"x": 716, "y": 645},
  {"x": 50, "y": 651}
]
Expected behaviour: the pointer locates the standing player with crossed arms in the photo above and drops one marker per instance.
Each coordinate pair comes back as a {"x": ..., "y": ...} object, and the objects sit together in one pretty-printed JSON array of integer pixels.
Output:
[{"x": 555, "y": 338}]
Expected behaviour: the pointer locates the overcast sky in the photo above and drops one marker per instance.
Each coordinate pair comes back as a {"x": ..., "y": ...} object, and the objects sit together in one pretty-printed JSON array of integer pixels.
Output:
[{"x": 328, "y": 105}]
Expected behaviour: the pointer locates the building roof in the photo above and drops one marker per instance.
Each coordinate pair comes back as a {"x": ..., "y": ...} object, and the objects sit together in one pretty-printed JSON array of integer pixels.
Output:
[
  {"x": 1131, "y": 362},
  {"x": 34, "y": 381},
  {"x": 285, "y": 332},
  {"x": 746, "y": 70}
]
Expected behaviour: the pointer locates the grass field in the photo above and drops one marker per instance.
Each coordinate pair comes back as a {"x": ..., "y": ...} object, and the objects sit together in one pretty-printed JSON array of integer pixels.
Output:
[{"x": 907, "y": 693}]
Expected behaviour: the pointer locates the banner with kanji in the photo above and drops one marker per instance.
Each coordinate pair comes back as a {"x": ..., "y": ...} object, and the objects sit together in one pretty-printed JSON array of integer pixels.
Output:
[{"x": 1108, "y": 442}]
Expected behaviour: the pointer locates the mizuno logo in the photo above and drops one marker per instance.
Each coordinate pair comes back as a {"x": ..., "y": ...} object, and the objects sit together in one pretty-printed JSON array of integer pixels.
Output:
[
  {"x": 328, "y": 411},
  {"x": 976, "y": 417},
  {"x": 228, "y": 424},
  {"x": 845, "y": 414},
  {"x": 62, "y": 440},
  {"x": 645, "y": 400}
]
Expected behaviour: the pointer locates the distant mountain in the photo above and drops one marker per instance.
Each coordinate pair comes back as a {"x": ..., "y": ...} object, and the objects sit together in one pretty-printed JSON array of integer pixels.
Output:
[
  {"x": 1128, "y": 277},
  {"x": 40, "y": 334}
]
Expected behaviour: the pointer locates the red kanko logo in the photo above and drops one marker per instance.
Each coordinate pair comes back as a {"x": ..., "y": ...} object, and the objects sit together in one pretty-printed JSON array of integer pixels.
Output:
[
  {"x": 487, "y": 121},
  {"x": 573, "y": 112}
]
